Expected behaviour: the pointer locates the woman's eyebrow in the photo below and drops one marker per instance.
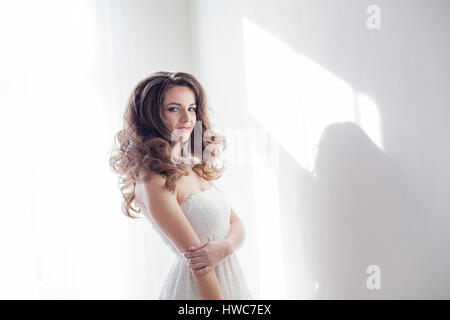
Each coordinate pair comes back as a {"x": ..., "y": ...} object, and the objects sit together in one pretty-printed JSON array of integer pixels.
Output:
[{"x": 179, "y": 104}]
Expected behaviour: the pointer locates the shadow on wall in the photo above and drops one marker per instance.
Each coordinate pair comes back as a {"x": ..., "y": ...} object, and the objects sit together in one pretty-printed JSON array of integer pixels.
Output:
[
  {"x": 360, "y": 208},
  {"x": 363, "y": 212}
]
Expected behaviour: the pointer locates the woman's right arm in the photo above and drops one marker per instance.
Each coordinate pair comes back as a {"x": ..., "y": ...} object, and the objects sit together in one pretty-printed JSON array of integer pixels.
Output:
[{"x": 165, "y": 210}]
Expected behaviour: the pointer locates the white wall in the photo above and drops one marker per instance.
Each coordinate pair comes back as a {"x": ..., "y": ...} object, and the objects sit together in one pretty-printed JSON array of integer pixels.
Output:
[{"x": 359, "y": 118}]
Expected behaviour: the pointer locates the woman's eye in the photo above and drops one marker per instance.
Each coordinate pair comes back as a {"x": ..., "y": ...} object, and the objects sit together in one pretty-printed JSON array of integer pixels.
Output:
[{"x": 176, "y": 109}]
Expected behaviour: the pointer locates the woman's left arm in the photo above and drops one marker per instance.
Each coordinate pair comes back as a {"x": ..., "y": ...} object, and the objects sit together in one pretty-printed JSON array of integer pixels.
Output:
[
  {"x": 236, "y": 236},
  {"x": 206, "y": 256}
]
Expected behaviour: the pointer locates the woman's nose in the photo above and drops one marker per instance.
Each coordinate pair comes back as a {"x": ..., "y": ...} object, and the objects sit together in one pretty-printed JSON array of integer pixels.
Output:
[{"x": 185, "y": 115}]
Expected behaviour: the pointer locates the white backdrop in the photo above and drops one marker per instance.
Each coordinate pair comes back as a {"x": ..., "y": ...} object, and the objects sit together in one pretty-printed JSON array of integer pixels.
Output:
[
  {"x": 67, "y": 68},
  {"x": 338, "y": 155}
]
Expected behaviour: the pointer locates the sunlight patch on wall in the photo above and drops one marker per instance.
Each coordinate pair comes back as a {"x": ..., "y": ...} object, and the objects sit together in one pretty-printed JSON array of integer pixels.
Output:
[
  {"x": 368, "y": 118},
  {"x": 272, "y": 281},
  {"x": 295, "y": 98}
]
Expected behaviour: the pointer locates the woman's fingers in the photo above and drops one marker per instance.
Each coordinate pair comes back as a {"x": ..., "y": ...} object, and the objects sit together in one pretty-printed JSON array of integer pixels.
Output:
[
  {"x": 198, "y": 265},
  {"x": 201, "y": 271},
  {"x": 193, "y": 248},
  {"x": 196, "y": 260},
  {"x": 195, "y": 254}
]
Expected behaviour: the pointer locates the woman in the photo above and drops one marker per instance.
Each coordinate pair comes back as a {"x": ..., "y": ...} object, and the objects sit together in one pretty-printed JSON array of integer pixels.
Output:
[{"x": 174, "y": 189}]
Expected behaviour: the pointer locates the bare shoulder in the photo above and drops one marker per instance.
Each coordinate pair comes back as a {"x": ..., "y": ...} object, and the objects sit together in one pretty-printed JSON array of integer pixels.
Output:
[
  {"x": 154, "y": 181},
  {"x": 152, "y": 188}
]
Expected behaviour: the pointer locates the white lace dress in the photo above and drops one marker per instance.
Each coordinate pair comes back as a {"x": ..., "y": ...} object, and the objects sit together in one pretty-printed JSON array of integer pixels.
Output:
[{"x": 209, "y": 214}]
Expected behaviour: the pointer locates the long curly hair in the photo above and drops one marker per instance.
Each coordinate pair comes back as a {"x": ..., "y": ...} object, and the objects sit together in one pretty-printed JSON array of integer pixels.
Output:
[{"x": 145, "y": 143}]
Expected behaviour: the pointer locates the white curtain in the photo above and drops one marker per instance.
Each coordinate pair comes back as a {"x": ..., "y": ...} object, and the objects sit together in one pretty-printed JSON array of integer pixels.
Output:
[{"x": 66, "y": 70}]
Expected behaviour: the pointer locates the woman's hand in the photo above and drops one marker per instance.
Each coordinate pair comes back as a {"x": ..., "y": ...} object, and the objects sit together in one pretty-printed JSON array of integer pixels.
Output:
[{"x": 206, "y": 256}]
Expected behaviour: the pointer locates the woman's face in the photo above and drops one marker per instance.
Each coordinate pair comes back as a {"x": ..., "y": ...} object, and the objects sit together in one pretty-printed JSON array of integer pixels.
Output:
[{"x": 179, "y": 110}]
